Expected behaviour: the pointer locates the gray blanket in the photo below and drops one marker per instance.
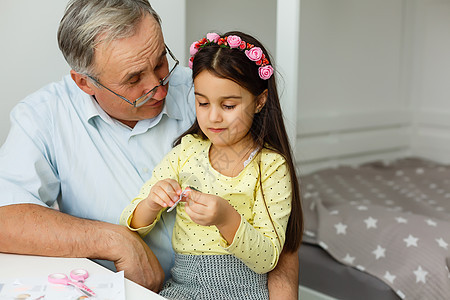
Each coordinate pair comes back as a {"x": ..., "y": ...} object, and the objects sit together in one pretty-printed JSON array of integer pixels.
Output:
[{"x": 389, "y": 220}]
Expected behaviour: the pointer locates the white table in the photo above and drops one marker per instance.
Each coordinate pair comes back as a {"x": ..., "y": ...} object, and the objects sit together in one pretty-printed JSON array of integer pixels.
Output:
[{"x": 20, "y": 266}]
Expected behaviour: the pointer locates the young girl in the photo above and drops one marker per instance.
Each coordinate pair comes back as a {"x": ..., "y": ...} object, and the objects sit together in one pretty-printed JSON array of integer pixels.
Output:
[{"x": 233, "y": 170}]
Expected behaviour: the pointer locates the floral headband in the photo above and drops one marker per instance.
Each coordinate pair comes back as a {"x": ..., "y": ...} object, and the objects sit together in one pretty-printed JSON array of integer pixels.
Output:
[{"x": 233, "y": 41}]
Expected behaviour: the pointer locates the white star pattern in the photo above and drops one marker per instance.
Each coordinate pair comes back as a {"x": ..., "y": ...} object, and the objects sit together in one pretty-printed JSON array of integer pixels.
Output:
[
  {"x": 371, "y": 222},
  {"x": 323, "y": 245},
  {"x": 379, "y": 252},
  {"x": 389, "y": 277},
  {"x": 401, "y": 220},
  {"x": 431, "y": 223},
  {"x": 309, "y": 233},
  {"x": 361, "y": 268},
  {"x": 411, "y": 241},
  {"x": 381, "y": 212},
  {"x": 442, "y": 243},
  {"x": 401, "y": 294},
  {"x": 349, "y": 259},
  {"x": 420, "y": 275},
  {"x": 340, "y": 228}
]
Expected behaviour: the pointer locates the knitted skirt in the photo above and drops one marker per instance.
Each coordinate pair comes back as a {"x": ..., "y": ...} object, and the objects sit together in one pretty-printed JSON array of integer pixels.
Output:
[{"x": 214, "y": 277}]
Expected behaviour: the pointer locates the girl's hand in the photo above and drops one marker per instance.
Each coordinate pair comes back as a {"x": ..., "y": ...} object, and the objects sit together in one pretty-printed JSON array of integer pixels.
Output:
[
  {"x": 206, "y": 210},
  {"x": 163, "y": 194}
]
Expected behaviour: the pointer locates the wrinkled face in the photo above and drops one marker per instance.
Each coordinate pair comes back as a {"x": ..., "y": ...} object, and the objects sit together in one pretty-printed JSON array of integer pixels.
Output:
[
  {"x": 224, "y": 109},
  {"x": 131, "y": 67}
]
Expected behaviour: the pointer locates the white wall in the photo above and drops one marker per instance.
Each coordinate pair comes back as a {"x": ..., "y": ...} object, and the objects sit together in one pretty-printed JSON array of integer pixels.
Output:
[
  {"x": 256, "y": 17},
  {"x": 29, "y": 54},
  {"x": 430, "y": 80},
  {"x": 374, "y": 81},
  {"x": 351, "y": 104},
  {"x": 373, "y": 75}
]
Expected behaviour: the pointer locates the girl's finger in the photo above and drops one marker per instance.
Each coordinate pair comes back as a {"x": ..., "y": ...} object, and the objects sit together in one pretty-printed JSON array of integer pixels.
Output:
[
  {"x": 197, "y": 197},
  {"x": 165, "y": 196},
  {"x": 173, "y": 186}
]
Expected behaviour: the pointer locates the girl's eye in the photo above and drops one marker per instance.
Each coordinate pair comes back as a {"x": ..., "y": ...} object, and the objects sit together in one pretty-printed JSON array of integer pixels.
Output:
[
  {"x": 229, "y": 106},
  {"x": 203, "y": 103}
]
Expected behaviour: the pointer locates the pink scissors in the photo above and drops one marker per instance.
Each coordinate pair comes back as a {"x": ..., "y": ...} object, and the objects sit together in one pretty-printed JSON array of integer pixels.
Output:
[{"x": 79, "y": 275}]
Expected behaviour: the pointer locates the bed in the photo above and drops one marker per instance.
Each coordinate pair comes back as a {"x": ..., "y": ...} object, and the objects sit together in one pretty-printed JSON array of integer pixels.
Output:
[{"x": 377, "y": 231}]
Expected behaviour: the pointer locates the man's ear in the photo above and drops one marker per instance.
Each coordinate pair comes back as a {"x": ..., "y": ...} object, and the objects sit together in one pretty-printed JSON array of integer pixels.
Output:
[
  {"x": 82, "y": 82},
  {"x": 261, "y": 101}
]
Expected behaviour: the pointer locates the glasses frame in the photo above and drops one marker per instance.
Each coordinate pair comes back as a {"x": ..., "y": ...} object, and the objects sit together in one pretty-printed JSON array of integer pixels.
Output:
[{"x": 147, "y": 96}]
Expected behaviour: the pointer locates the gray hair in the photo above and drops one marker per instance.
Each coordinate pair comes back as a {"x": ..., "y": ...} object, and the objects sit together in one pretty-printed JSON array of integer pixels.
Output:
[{"x": 85, "y": 20}]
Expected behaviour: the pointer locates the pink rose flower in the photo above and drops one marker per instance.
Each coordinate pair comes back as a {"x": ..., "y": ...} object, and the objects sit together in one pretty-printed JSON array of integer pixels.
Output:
[
  {"x": 193, "y": 49},
  {"x": 265, "y": 72},
  {"x": 234, "y": 41},
  {"x": 254, "y": 54},
  {"x": 212, "y": 37}
]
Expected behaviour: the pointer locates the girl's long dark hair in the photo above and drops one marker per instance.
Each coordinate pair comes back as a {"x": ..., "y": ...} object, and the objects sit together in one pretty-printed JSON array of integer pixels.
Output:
[{"x": 268, "y": 128}]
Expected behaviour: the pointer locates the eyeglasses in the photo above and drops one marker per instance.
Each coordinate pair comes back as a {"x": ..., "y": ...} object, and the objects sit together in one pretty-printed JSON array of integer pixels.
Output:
[{"x": 147, "y": 96}]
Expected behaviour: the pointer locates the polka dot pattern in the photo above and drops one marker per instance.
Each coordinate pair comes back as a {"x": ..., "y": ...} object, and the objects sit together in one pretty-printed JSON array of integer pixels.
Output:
[{"x": 257, "y": 242}]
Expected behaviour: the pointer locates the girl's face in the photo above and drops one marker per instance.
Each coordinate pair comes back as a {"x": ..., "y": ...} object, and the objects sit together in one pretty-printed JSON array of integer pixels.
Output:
[{"x": 225, "y": 110}]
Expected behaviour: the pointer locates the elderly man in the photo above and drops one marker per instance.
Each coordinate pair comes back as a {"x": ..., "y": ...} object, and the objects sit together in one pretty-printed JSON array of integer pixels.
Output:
[{"x": 90, "y": 141}]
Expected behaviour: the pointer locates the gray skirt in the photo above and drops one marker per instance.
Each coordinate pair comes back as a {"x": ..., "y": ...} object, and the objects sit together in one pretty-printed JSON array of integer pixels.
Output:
[{"x": 214, "y": 277}]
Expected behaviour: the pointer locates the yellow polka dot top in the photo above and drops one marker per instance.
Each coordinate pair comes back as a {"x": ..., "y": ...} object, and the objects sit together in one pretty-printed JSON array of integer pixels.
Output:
[{"x": 259, "y": 238}]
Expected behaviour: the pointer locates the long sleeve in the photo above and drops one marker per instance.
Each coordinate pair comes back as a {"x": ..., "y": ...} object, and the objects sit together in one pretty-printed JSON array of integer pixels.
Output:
[
  {"x": 259, "y": 244},
  {"x": 167, "y": 168}
]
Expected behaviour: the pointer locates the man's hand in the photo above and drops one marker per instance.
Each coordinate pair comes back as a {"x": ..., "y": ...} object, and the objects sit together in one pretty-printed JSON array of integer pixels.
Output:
[
  {"x": 138, "y": 262},
  {"x": 36, "y": 230}
]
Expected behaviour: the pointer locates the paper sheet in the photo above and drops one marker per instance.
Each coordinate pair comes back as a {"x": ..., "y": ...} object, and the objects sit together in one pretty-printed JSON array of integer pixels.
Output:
[{"x": 106, "y": 287}]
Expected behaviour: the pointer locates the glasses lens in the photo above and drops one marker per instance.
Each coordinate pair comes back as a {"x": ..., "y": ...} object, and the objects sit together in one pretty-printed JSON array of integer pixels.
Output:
[
  {"x": 167, "y": 78},
  {"x": 141, "y": 101},
  {"x": 172, "y": 64}
]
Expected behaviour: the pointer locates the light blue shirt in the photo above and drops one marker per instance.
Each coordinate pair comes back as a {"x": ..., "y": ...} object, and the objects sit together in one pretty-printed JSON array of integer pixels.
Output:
[{"x": 63, "y": 147}]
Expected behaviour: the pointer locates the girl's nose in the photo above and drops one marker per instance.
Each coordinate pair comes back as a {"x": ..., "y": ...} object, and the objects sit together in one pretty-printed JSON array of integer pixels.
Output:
[{"x": 215, "y": 115}]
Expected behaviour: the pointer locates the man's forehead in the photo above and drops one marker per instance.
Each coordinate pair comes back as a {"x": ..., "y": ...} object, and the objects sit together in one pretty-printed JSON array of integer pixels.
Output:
[{"x": 145, "y": 46}]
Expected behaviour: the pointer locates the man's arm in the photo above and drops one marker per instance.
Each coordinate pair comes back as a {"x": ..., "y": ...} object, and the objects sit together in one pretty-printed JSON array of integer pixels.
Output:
[
  {"x": 283, "y": 280},
  {"x": 37, "y": 230}
]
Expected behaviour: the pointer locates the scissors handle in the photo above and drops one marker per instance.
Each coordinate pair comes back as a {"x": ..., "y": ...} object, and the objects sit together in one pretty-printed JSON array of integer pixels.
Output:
[
  {"x": 60, "y": 278},
  {"x": 79, "y": 275}
]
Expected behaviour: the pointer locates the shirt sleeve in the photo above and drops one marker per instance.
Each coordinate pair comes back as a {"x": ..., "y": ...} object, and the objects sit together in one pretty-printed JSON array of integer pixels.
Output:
[
  {"x": 259, "y": 244},
  {"x": 168, "y": 168},
  {"x": 28, "y": 172}
]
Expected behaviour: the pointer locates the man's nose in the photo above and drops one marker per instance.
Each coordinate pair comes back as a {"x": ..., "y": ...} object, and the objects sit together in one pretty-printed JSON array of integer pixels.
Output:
[{"x": 153, "y": 82}]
